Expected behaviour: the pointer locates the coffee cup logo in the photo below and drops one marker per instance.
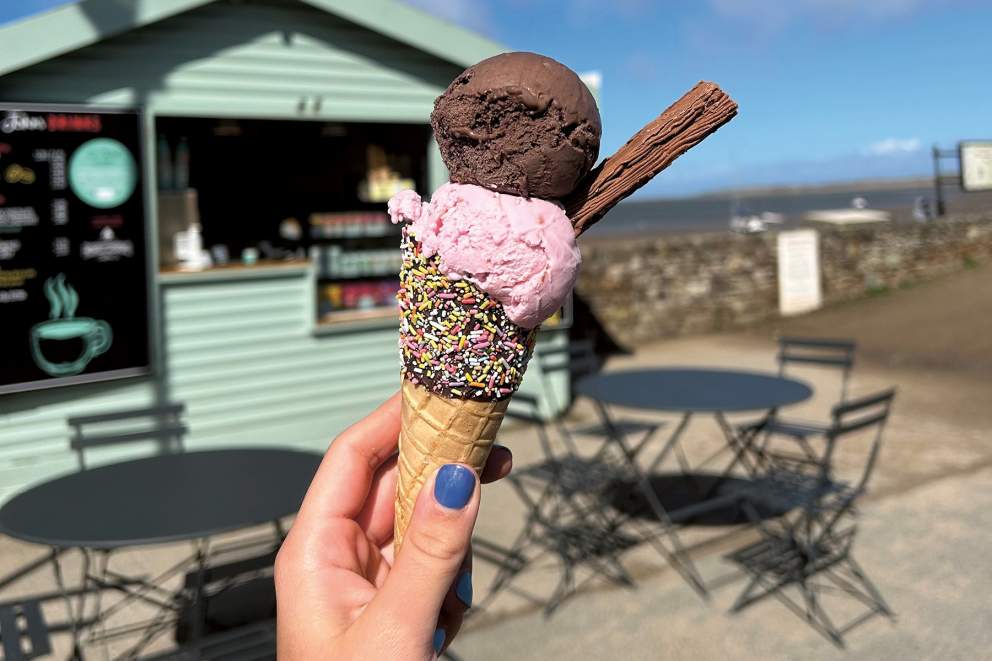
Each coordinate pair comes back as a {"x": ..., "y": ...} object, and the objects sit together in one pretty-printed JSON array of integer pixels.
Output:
[{"x": 65, "y": 344}]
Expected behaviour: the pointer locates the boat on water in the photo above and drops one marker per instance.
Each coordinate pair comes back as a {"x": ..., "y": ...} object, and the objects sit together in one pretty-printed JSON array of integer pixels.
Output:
[
  {"x": 857, "y": 214},
  {"x": 743, "y": 221},
  {"x": 848, "y": 216}
]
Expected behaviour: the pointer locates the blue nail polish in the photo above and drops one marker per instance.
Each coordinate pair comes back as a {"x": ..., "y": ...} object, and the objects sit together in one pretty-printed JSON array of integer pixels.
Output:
[
  {"x": 463, "y": 589},
  {"x": 439, "y": 636},
  {"x": 454, "y": 486}
]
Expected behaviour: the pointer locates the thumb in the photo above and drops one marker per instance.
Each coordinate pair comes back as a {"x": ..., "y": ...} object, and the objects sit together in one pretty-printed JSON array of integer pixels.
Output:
[{"x": 431, "y": 556}]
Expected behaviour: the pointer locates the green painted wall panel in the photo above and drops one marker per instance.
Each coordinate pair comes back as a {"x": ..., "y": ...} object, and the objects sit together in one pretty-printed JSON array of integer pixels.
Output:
[
  {"x": 243, "y": 356},
  {"x": 261, "y": 58},
  {"x": 34, "y": 438}
]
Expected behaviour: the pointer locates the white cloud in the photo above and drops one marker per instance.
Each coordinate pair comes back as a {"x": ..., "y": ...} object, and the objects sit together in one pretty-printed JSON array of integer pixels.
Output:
[{"x": 890, "y": 146}]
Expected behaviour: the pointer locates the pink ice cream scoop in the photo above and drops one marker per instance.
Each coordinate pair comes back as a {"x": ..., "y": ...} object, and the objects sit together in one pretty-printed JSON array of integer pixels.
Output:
[{"x": 521, "y": 251}]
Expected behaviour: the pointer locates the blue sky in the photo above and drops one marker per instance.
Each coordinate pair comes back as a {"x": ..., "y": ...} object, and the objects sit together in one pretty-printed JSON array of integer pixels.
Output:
[{"x": 830, "y": 90}]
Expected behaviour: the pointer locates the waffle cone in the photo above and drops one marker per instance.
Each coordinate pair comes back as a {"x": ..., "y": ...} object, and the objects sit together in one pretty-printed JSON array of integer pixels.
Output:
[{"x": 437, "y": 430}]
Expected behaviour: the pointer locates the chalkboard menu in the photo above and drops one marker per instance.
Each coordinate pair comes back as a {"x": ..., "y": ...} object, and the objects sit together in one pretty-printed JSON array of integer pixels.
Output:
[{"x": 73, "y": 264}]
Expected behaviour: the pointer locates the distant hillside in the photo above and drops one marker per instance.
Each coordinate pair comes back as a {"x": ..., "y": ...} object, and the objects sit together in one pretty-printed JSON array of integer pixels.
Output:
[
  {"x": 833, "y": 187},
  {"x": 862, "y": 185}
]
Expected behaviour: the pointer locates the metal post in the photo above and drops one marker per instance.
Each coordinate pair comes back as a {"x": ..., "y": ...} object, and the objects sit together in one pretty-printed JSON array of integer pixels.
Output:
[{"x": 938, "y": 192}]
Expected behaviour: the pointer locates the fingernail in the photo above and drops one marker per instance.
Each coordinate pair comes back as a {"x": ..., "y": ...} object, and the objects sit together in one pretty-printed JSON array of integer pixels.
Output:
[
  {"x": 439, "y": 636},
  {"x": 454, "y": 486},
  {"x": 463, "y": 589}
]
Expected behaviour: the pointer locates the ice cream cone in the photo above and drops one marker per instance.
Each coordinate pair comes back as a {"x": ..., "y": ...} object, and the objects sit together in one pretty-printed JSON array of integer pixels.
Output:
[
  {"x": 462, "y": 359},
  {"x": 492, "y": 254},
  {"x": 490, "y": 257},
  {"x": 438, "y": 430}
]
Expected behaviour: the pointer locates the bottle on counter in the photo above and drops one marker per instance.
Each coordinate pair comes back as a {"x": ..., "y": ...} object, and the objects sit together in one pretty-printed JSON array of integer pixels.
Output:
[
  {"x": 182, "y": 164},
  {"x": 163, "y": 160}
]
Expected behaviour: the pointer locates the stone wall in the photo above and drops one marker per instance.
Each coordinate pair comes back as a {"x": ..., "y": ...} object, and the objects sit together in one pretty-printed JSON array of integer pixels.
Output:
[{"x": 647, "y": 288}]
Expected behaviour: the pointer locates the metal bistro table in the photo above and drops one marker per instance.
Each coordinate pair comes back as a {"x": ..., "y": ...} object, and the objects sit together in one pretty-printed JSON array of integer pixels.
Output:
[
  {"x": 189, "y": 496},
  {"x": 689, "y": 391}
]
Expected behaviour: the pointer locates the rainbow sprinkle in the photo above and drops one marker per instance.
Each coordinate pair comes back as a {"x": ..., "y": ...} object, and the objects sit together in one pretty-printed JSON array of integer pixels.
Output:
[{"x": 455, "y": 339}]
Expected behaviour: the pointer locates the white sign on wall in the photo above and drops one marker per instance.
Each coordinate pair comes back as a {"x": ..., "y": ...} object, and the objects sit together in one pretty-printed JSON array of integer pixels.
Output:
[
  {"x": 976, "y": 165},
  {"x": 799, "y": 271}
]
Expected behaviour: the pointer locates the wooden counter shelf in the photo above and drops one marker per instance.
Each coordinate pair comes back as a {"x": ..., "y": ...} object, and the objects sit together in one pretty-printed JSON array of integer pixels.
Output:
[
  {"x": 347, "y": 316},
  {"x": 264, "y": 268}
]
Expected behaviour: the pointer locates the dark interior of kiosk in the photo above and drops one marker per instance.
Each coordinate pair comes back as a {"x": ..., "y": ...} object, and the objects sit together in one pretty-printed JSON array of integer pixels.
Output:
[
  {"x": 243, "y": 181},
  {"x": 249, "y": 175}
]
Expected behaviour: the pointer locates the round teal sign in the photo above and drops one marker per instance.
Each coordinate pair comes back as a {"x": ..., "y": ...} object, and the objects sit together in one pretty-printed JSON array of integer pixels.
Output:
[{"x": 102, "y": 173}]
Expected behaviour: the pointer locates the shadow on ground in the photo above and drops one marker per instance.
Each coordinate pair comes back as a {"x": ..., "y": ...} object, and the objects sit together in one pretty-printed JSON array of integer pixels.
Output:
[{"x": 678, "y": 491}]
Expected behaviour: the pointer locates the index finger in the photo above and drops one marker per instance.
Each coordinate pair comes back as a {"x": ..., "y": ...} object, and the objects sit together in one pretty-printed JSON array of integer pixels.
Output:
[{"x": 342, "y": 482}]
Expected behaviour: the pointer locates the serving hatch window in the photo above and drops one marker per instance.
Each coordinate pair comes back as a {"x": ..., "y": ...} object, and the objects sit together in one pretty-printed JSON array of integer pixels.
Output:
[{"x": 246, "y": 192}]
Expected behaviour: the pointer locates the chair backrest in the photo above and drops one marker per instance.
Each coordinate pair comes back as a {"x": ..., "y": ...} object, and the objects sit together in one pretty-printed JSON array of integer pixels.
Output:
[
  {"x": 35, "y": 631},
  {"x": 578, "y": 358},
  {"x": 870, "y": 412},
  {"x": 525, "y": 407},
  {"x": 162, "y": 424},
  {"x": 821, "y": 352}
]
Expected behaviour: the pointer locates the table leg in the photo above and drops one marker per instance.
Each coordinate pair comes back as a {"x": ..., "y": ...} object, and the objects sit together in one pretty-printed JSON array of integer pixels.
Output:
[
  {"x": 670, "y": 445},
  {"x": 102, "y": 573},
  {"x": 198, "y": 607},
  {"x": 743, "y": 444},
  {"x": 74, "y": 614},
  {"x": 758, "y": 448},
  {"x": 743, "y": 448},
  {"x": 144, "y": 590},
  {"x": 677, "y": 558}
]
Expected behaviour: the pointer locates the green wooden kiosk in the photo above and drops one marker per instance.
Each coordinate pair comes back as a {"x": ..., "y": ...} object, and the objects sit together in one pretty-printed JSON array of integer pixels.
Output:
[{"x": 259, "y": 106}]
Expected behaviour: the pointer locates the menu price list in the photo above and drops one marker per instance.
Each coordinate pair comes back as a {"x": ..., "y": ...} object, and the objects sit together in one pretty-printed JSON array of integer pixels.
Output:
[{"x": 73, "y": 276}]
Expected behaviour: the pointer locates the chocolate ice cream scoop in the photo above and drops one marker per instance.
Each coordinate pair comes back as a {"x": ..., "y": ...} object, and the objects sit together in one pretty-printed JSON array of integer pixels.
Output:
[{"x": 518, "y": 123}]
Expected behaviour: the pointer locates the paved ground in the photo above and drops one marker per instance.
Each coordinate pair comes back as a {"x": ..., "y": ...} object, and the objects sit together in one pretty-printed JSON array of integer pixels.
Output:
[
  {"x": 925, "y": 550},
  {"x": 923, "y": 531},
  {"x": 923, "y": 537}
]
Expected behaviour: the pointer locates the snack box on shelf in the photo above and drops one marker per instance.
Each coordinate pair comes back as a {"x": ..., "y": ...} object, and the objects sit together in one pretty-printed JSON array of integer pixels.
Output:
[
  {"x": 350, "y": 224},
  {"x": 358, "y": 295},
  {"x": 334, "y": 262}
]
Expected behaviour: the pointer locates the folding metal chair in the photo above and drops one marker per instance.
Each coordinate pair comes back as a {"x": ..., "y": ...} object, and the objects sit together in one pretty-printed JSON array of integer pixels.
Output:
[
  {"x": 566, "y": 515},
  {"x": 622, "y": 441},
  {"x": 793, "y": 352},
  {"x": 809, "y": 545},
  {"x": 216, "y": 603},
  {"x": 163, "y": 425},
  {"x": 227, "y": 595}
]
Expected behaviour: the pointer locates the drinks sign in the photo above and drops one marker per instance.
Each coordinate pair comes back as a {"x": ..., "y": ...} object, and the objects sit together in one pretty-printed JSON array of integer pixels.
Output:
[
  {"x": 73, "y": 265},
  {"x": 798, "y": 272}
]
